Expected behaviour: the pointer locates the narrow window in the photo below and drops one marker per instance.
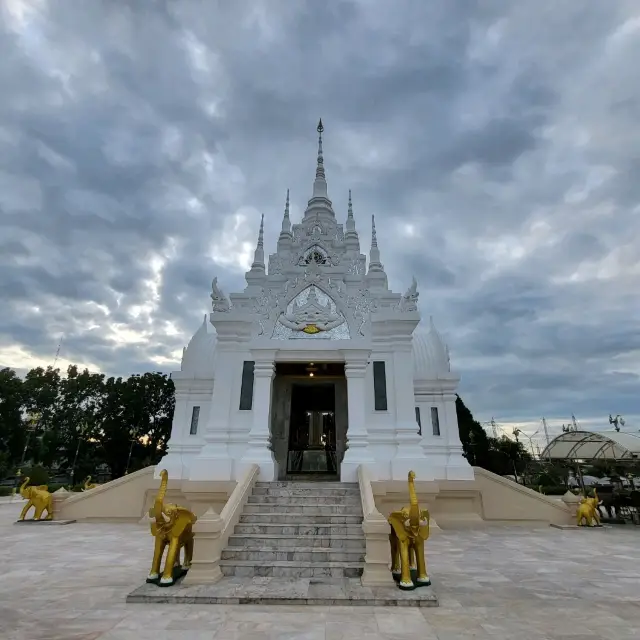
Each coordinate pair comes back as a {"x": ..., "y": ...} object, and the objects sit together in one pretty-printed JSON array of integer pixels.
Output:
[
  {"x": 246, "y": 388},
  {"x": 435, "y": 421},
  {"x": 379, "y": 386},
  {"x": 418, "y": 421},
  {"x": 195, "y": 416}
]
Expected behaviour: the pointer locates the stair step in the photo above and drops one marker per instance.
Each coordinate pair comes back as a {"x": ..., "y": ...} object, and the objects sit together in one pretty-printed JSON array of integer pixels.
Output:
[
  {"x": 283, "y": 484},
  {"x": 263, "y": 554},
  {"x": 285, "y": 543},
  {"x": 306, "y": 509},
  {"x": 304, "y": 530},
  {"x": 310, "y": 500},
  {"x": 306, "y": 492},
  {"x": 288, "y": 569},
  {"x": 277, "y": 517}
]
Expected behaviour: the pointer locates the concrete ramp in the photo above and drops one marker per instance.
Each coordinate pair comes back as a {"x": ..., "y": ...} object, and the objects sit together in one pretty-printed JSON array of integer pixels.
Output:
[
  {"x": 506, "y": 501},
  {"x": 121, "y": 500}
]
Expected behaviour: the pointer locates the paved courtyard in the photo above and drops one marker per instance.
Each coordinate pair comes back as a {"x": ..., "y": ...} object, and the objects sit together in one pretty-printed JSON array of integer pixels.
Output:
[{"x": 70, "y": 583}]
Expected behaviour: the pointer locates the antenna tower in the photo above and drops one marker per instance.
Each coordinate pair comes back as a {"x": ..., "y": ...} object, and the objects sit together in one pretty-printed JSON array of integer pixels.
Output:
[
  {"x": 57, "y": 352},
  {"x": 546, "y": 430}
]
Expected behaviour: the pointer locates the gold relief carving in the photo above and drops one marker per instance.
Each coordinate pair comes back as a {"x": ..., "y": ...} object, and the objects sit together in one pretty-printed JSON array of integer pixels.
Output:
[{"x": 311, "y": 328}]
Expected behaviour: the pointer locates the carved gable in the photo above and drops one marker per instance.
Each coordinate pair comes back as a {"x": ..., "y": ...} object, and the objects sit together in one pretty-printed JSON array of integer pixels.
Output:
[{"x": 311, "y": 314}]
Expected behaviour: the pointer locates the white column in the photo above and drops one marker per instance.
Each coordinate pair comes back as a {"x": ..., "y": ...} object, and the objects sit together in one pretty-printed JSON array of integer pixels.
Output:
[
  {"x": 357, "y": 453},
  {"x": 409, "y": 454},
  {"x": 213, "y": 461},
  {"x": 259, "y": 448}
]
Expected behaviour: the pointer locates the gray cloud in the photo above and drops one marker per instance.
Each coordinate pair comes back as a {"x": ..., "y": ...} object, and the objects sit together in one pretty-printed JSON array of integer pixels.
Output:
[{"x": 497, "y": 148}]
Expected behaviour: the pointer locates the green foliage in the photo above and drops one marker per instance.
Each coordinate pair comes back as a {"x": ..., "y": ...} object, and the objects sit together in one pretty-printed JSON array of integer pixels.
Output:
[
  {"x": 499, "y": 455},
  {"x": 83, "y": 420},
  {"x": 5, "y": 490},
  {"x": 37, "y": 475},
  {"x": 552, "y": 490},
  {"x": 12, "y": 434}
]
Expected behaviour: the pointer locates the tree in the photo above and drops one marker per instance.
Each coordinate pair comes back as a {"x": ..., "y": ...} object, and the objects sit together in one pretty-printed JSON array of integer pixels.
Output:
[
  {"x": 135, "y": 418},
  {"x": 475, "y": 442},
  {"x": 81, "y": 421},
  {"x": 12, "y": 434},
  {"x": 41, "y": 407},
  {"x": 499, "y": 455}
]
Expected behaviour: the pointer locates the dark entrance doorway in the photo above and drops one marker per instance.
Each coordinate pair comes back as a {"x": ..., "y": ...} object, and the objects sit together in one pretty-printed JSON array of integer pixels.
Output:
[{"x": 312, "y": 429}]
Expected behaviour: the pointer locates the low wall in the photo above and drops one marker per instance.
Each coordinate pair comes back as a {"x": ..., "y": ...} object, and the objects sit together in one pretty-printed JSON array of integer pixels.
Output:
[
  {"x": 128, "y": 499},
  {"x": 504, "y": 500},
  {"x": 489, "y": 499}
]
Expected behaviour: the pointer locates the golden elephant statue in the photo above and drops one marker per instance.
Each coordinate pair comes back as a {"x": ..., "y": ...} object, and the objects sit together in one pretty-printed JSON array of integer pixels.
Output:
[
  {"x": 172, "y": 526},
  {"x": 39, "y": 498},
  {"x": 588, "y": 512},
  {"x": 409, "y": 531},
  {"x": 88, "y": 484}
]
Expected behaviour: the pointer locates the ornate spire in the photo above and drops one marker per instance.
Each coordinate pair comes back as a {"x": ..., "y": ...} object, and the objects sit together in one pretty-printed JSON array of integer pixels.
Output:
[
  {"x": 374, "y": 237},
  {"x": 374, "y": 255},
  {"x": 351, "y": 235},
  {"x": 320, "y": 167},
  {"x": 320, "y": 183},
  {"x": 258, "y": 256},
  {"x": 286, "y": 221}
]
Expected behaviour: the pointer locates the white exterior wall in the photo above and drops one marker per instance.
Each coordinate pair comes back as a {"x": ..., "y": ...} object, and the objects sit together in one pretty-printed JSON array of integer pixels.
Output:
[
  {"x": 183, "y": 447},
  {"x": 382, "y": 440}
]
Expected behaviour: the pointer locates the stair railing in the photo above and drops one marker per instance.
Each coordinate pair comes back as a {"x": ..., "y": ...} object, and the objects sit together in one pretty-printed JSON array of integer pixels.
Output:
[
  {"x": 212, "y": 531},
  {"x": 377, "y": 559}
]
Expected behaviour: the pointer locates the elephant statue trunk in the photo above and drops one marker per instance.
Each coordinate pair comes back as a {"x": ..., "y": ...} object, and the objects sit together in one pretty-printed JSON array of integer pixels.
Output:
[
  {"x": 23, "y": 491},
  {"x": 88, "y": 484}
]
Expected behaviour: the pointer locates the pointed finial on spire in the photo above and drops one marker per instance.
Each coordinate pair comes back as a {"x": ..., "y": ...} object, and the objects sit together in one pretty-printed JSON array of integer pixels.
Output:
[
  {"x": 261, "y": 233},
  {"x": 350, "y": 210},
  {"x": 374, "y": 254},
  {"x": 258, "y": 256},
  {"x": 320, "y": 167},
  {"x": 320, "y": 183},
  {"x": 286, "y": 222}
]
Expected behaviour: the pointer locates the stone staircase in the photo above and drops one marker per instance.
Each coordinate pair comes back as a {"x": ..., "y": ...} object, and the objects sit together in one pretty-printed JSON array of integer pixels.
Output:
[{"x": 298, "y": 530}]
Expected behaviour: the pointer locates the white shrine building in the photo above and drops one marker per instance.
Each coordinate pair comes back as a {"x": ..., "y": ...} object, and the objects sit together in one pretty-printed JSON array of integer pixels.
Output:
[{"x": 317, "y": 367}]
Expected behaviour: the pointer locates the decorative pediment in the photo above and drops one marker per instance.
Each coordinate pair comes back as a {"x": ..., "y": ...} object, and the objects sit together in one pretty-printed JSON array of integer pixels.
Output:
[{"x": 311, "y": 314}]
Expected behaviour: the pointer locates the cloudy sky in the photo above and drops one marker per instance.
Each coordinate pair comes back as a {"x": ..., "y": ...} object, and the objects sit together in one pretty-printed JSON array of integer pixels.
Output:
[{"x": 497, "y": 143}]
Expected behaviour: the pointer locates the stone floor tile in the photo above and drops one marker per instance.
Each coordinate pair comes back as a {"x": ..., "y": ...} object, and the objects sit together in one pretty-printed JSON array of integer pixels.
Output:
[{"x": 70, "y": 583}]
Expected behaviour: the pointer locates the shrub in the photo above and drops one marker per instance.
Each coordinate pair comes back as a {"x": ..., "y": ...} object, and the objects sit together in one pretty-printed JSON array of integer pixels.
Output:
[
  {"x": 552, "y": 490},
  {"x": 6, "y": 490},
  {"x": 38, "y": 475}
]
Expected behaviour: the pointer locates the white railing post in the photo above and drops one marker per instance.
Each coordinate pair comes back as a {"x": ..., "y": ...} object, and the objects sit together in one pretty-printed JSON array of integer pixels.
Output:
[{"x": 377, "y": 559}]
